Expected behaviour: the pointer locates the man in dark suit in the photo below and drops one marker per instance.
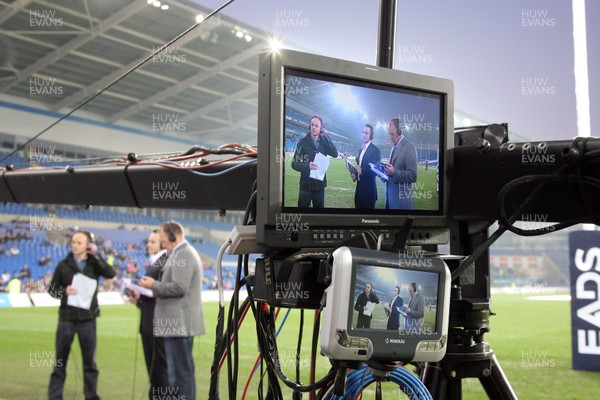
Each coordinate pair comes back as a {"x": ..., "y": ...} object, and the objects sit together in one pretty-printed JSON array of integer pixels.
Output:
[
  {"x": 316, "y": 141},
  {"x": 154, "y": 347},
  {"x": 395, "y": 310},
  {"x": 366, "y": 189},
  {"x": 415, "y": 310},
  {"x": 76, "y": 320},
  {"x": 401, "y": 169},
  {"x": 178, "y": 315},
  {"x": 361, "y": 305}
]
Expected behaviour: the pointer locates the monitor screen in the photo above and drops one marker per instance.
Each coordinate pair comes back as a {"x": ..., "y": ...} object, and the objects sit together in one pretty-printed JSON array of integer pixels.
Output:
[
  {"x": 345, "y": 147},
  {"x": 386, "y": 306},
  {"x": 354, "y": 119},
  {"x": 387, "y": 298}
]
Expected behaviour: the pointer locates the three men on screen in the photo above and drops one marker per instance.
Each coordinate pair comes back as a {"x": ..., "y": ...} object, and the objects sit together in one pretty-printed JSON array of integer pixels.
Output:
[
  {"x": 412, "y": 313},
  {"x": 366, "y": 188},
  {"x": 401, "y": 168},
  {"x": 312, "y": 191}
]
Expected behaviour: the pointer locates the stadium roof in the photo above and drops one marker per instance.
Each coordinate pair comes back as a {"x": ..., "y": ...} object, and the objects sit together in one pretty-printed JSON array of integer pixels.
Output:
[
  {"x": 203, "y": 87},
  {"x": 206, "y": 80}
]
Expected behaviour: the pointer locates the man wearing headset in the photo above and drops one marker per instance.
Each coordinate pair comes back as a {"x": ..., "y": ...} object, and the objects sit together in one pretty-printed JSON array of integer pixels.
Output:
[
  {"x": 75, "y": 320},
  {"x": 401, "y": 169},
  {"x": 178, "y": 315},
  {"x": 316, "y": 141},
  {"x": 366, "y": 188},
  {"x": 154, "y": 347}
]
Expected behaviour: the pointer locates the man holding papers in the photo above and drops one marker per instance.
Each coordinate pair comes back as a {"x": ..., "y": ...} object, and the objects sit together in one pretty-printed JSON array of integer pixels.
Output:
[
  {"x": 75, "y": 283},
  {"x": 366, "y": 189},
  {"x": 365, "y": 303},
  {"x": 311, "y": 161},
  {"x": 154, "y": 346}
]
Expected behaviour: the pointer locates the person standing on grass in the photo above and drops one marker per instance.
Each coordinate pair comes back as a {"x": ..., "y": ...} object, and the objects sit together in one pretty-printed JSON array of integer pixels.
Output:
[{"x": 76, "y": 320}]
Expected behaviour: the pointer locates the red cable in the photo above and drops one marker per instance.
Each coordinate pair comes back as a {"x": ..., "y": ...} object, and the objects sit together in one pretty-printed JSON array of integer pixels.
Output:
[
  {"x": 233, "y": 336},
  {"x": 265, "y": 307}
]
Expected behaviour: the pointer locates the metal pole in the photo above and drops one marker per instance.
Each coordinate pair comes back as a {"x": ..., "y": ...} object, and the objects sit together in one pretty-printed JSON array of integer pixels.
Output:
[{"x": 387, "y": 33}]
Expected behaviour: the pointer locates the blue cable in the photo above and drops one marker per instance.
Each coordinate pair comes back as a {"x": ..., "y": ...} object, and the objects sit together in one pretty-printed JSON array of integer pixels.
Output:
[{"x": 359, "y": 379}]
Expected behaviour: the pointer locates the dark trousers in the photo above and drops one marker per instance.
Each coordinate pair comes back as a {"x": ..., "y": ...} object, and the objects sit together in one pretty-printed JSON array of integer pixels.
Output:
[
  {"x": 363, "y": 321},
  {"x": 156, "y": 362},
  {"x": 180, "y": 365},
  {"x": 316, "y": 196},
  {"x": 86, "y": 332}
]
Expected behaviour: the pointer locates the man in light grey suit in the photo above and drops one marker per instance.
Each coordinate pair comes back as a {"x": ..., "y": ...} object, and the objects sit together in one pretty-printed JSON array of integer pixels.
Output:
[
  {"x": 178, "y": 315},
  {"x": 415, "y": 310},
  {"x": 401, "y": 169}
]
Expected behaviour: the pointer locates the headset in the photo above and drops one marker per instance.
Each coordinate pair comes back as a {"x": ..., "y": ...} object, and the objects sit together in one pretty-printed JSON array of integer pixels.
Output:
[
  {"x": 396, "y": 122},
  {"x": 88, "y": 235},
  {"x": 170, "y": 231}
]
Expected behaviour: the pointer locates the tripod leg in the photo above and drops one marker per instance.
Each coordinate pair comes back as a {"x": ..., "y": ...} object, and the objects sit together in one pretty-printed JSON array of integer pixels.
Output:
[
  {"x": 434, "y": 380},
  {"x": 496, "y": 384}
]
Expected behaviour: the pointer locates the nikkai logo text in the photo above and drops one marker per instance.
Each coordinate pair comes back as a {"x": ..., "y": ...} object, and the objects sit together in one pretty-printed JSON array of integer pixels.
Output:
[{"x": 394, "y": 341}]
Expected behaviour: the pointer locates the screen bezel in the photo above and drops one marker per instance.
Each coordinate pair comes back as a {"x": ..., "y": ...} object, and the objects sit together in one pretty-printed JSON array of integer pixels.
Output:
[
  {"x": 271, "y": 140},
  {"x": 382, "y": 344}
]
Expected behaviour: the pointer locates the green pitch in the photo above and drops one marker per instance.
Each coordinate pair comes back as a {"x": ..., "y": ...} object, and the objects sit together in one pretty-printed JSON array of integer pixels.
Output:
[
  {"x": 340, "y": 188},
  {"x": 379, "y": 318},
  {"x": 530, "y": 338}
]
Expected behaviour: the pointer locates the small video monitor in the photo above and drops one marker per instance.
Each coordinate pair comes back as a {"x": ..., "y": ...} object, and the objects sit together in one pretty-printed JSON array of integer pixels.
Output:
[{"x": 386, "y": 306}]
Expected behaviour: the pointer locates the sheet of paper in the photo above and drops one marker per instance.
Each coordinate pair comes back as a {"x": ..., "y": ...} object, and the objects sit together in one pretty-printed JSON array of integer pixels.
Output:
[
  {"x": 86, "y": 287},
  {"x": 378, "y": 172},
  {"x": 134, "y": 285},
  {"x": 368, "y": 310},
  {"x": 351, "y": 168},
  {"x": 322, "y": 165}
]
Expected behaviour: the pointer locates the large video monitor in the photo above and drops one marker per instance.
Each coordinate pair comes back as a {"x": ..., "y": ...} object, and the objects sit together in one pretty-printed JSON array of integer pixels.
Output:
[{"x": 347, "y": 147}]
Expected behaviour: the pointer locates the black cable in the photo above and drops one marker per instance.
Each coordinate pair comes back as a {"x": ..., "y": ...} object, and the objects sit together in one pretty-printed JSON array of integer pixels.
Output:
[
  {"x": 219, "y": 349},
  {"x": 212, "y": 150},
  {"x": 315, "y": 343},
  {"x": 508, "y": 223},
  {"x": 274, "y": 365},
  {"x": 298, "y": 395},
  {"x": 262, "y": 327},
  {"x": 232, "y": 331},
  {"x": 574, "y": 157}
]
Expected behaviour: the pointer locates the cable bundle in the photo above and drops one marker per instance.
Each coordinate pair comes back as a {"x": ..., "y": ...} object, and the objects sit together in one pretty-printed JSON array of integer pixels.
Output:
[{"x": 359, "y": 379}]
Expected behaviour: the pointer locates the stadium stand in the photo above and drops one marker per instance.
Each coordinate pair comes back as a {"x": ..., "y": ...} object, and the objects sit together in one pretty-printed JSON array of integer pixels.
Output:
[{"x": 38, "y": 238}]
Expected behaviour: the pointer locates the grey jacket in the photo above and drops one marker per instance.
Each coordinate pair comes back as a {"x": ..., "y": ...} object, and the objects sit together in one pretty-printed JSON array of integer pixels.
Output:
[{"x": 178, "y": 310}]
